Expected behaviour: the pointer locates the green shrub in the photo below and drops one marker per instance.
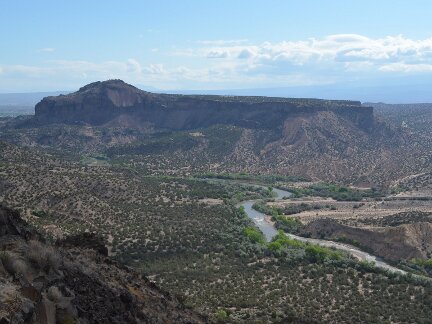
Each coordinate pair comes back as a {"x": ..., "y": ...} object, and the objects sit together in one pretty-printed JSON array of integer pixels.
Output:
[
  {"x": 40, "y": 213},
  {"x": 424, "y": 263},
  {"x": 254, "y": 234},
  {"x": 274, "y": 246},
  {"x": 288, "y": 224},
  {"x": 318, "y": 253},
  {"x": 221, "y": 316},
  {"x": 281, "y": 240},
  {"x": 336, "y": 192}
]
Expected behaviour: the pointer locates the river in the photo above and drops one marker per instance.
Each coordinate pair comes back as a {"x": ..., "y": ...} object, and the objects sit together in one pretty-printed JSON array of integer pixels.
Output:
[{"x": 270, "y": 231}]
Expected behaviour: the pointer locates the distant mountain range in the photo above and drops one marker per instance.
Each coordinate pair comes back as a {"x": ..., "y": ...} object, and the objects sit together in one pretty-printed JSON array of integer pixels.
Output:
[{"x": 389, "y": 90}]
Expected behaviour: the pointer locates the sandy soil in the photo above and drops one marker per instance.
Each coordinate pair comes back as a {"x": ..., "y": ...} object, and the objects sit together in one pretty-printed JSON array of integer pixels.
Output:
[{"x": 357, "y": 210}]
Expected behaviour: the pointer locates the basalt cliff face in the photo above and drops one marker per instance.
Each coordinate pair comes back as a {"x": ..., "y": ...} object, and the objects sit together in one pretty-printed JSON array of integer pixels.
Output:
[{"x": 100, "y": 103}]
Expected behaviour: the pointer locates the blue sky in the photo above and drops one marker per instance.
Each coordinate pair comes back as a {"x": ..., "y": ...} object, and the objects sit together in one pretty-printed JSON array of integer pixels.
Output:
[{"x": 53, "y": 45}]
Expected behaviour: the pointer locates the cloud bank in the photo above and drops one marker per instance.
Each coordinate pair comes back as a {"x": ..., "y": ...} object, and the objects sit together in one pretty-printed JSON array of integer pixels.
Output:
[
  {"x": 341, "y": 51},
  {"x": 239, "y": 63}
]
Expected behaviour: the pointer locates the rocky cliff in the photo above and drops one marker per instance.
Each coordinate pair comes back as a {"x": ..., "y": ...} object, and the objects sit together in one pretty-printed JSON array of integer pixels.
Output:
[
  {"x": 403, "y": 242},
  {"x": 101, "y": 102},
  {"x": 74, "y": 282}
]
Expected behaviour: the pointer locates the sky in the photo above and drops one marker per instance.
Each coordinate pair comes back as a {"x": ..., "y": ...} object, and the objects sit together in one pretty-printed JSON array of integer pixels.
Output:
[{"x": 223, "y": 45}]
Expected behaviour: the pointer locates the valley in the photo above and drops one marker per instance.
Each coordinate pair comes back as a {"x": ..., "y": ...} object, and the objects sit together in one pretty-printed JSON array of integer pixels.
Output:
[
  {"x": 171, "y": 200},
  {"x": 220, "y": 162},
  {"x": 265, "y": 225}
]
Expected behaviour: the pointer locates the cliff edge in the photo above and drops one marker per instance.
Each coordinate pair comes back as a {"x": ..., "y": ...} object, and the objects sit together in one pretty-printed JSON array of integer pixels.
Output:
[{"x": 99, "y": 103}]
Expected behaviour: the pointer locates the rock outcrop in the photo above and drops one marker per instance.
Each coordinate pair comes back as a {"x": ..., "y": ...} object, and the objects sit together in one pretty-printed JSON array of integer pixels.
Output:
[
  {"x": 74, "y": 283},
  {"x": 403, "y": 242},
  {"x": 330, "y": 140},
  {"x": 114, "y": 101}
]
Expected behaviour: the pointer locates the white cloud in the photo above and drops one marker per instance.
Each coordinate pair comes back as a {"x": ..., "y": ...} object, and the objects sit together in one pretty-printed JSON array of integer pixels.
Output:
[
  {"x": 134, "y": 66},
  {"x": 217, "y": 54},
  {"x": 25, "y": 70},
  {"x": 245, "y": 54},
  {"x": 339, "y": 51},
  {"x": 406, "y": 68},
  {"x": 74, "y": 69},
  {"x": 238, "y": 63},
  {"x": 155, "y": 69},
  {"x": 347, "y": 38},
  {"x": 335, "y": 58}
]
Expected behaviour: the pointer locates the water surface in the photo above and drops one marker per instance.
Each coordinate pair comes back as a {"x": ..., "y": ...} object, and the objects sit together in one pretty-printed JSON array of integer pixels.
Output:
[
  {"x": 259, "y": 218},
  {"x": 270, "y": 231}
]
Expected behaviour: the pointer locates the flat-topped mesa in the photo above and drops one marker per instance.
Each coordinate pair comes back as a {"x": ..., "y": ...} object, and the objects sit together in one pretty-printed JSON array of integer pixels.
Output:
[
  {"x": 95, "y": 103},
  {"x": 101, "y": 102}
]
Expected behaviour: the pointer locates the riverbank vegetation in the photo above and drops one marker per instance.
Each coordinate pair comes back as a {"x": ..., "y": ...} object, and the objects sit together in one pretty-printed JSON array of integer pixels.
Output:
[
  {"x": 264, "y": 178},
  {"x": 283, "y": 243},
  {"x": 254, "y": 235},
  {"x": 282, "y": 222},
  {"x": 420, "y": 266},
  {"x": 337, "y": 192}
]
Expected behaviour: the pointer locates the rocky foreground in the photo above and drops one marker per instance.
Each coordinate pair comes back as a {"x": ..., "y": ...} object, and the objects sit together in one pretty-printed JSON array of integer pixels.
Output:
[{"x": 74, "y": 282}]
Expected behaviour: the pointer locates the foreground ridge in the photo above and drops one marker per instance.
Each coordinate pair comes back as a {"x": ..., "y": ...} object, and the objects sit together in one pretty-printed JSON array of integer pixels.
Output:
[{"x": 74, "y": 282}]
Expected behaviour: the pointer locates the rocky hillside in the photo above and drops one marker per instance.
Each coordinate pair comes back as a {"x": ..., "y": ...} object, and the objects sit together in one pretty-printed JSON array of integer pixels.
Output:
[
  {"x": 403, "y": 242},
  {"x": 117, "y": 102},
  {"x": 74, "y": 282},
  {"x": 325, "y": 140}
]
